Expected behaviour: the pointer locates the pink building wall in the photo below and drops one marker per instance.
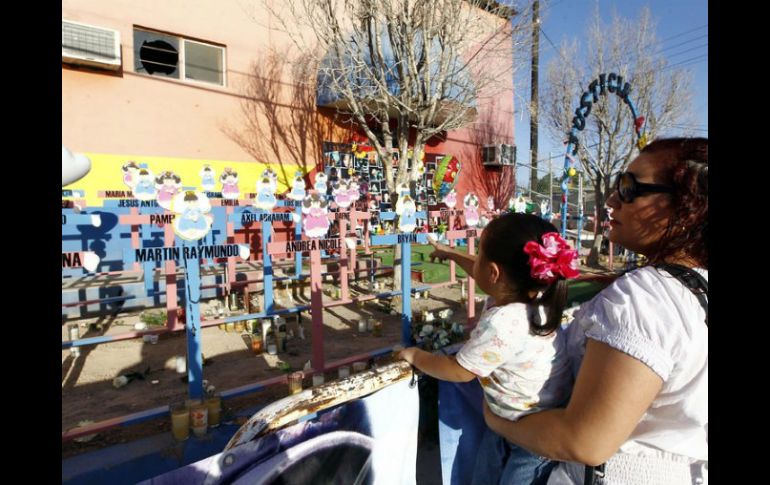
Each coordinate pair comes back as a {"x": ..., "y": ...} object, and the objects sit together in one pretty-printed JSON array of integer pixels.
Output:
[{"x": 142, "y": 115}]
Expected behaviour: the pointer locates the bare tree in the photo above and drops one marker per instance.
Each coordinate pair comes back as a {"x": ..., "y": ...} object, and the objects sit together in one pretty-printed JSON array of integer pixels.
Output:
[
  {"x": 403, "y": 70},
  {"x": 660, "y": 93},
  {"x": 279, "y": 120}
]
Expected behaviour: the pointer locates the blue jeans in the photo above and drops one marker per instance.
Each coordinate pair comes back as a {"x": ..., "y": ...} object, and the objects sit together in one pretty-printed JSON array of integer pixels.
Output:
[{"x": 500, "y": 462}]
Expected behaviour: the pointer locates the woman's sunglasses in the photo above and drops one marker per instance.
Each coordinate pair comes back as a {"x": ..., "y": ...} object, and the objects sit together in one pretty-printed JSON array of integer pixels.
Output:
[{"x": 629, "y": 189}]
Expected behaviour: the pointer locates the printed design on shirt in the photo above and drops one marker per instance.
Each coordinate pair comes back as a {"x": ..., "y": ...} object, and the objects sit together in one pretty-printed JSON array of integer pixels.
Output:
[
  {"x": 497, "y": 342},
  {"x": 491, "y": 357}
]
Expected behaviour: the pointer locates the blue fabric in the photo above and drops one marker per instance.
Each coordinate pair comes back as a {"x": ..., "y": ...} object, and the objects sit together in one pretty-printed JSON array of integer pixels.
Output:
[
  {"x": 500, "y": 462},
  {"x": 473, "y": 454},
  {"x": 461, "y": 427}
]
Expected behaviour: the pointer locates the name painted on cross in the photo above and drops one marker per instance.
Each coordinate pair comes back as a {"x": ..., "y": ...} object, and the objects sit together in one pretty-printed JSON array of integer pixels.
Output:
[
  {"x": 247, "y": 217},
  {"x": 137, "y": 203},
  {"x": 186, "y": 252},
  {"x": 162, "y": 218},
  {"x": 304, "y": 245},
  {"x": 71, "y": 260}
]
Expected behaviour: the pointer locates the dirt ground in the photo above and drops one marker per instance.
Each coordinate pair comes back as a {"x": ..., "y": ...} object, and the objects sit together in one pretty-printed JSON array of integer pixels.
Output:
[{"x": 88, "y": 393}]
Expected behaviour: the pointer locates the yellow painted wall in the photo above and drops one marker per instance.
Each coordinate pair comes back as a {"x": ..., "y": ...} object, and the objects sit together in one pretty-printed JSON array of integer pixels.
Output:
[{"x": 106, "y": 173}]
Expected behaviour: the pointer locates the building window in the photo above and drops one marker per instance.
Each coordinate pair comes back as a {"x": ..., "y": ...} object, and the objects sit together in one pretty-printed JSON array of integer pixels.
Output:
[{"x": 169, "y": 56}]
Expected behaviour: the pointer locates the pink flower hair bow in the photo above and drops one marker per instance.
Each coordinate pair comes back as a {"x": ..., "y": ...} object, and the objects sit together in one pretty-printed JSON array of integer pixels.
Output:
[{"x": 553, "y": 259}]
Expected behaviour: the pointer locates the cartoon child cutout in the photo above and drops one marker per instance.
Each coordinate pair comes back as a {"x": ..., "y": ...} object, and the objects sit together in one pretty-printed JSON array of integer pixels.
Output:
[
  {"x": 130, "y": 174},
  {"x": 297, "y": 187},
  {"x": 471, "y": 209},
  {"x": 451, "y": 199},
  {"x": 169, "y": 185},
  {"x": 354, "y": 189},
  {"x": 345, "y": 192},
  {"x": 545, "y": 210},
  {"x": 316, "y": 220},
  {"x": 320, "y": 183},
  {"x": 208, "y": 178},
  {"x": 194, "y": 221},
  {"x": 266, "y": 187},
  {"x": 520, "y": 206},
  {"x": 407, "y": 213},
  {"x": 145, "y": 187},
  {"x": 229, "y": 179}
]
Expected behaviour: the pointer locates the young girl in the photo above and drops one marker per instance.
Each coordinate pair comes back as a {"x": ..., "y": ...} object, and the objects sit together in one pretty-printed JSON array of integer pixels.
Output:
[{"x": 517, "y": 351}]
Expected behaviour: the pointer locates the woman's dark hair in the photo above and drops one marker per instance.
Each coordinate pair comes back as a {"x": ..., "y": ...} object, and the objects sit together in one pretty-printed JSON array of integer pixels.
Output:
[
  {"x": 684, "y": 165},
  {"x": 503, "y": 243}
]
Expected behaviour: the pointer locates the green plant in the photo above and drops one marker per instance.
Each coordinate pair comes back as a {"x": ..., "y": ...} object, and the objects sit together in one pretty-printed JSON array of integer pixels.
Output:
[{"x": 154, "y": 318}]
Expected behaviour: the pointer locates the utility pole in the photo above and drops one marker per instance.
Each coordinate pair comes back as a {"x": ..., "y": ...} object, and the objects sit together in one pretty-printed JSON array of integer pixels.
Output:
[{"x": 533, "y": 101}]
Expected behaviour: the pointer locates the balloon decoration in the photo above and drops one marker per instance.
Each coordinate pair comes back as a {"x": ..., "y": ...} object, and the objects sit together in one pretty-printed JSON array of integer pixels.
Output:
[{"x": 445, "y": 177}]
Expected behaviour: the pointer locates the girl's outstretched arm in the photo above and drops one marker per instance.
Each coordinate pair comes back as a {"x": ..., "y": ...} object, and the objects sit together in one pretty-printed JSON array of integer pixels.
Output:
[
  {"x": 442, "y": 367},
  {"x": 442, "y": 252}
]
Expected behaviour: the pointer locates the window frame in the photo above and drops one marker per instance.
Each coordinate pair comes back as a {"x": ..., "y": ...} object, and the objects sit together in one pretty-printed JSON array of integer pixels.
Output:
[{"x": 182, "y": 58}]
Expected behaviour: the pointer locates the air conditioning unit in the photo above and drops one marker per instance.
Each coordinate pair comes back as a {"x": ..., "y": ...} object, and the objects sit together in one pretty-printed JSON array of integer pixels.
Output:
[
  {"x": 498, "y": 155},
  {"x": 91, "y": 46}
]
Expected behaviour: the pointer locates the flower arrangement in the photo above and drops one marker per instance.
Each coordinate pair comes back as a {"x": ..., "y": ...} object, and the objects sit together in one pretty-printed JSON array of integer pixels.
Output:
[{"x": 437, "y": 331}]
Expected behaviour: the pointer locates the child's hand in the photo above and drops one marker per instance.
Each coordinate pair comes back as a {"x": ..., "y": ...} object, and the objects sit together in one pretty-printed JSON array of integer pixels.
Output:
[
  {"x": 440, "y": 251},
  {"x": 408, "y": 354}
]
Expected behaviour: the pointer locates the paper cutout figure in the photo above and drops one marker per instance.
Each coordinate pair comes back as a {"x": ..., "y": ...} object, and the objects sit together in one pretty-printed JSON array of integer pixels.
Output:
[
  {"x": 407, "y": 213},
  {"x": 194, "y": 222},
  {"x": 208, "y": 178},
  {"x": 320, "y": 183},
  {"x": 316, "y": 220},
  {"x": 297, "y": 187},
  {"x": 266, "y": 187},
  {"x": 229, "y": 180},
  {"x": 545, "y": 210},
  {"x": 518, "y": 205},
  {"x": 130, "y": 173},
  {"x": 451, "y": 199},
  {"x": 145, "y": 187},
  {"x": 471, "y": 209},
  {"x": 169, "y": 185},
  {"x": 345, "y": 192}
]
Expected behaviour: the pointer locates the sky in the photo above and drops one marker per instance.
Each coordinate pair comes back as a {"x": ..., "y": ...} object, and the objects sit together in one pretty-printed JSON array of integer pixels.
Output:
[{"x": 682, "y": 32}]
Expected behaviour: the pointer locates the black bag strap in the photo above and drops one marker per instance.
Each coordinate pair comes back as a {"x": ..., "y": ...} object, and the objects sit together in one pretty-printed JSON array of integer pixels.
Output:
[{"x": 691, "y": 279}]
